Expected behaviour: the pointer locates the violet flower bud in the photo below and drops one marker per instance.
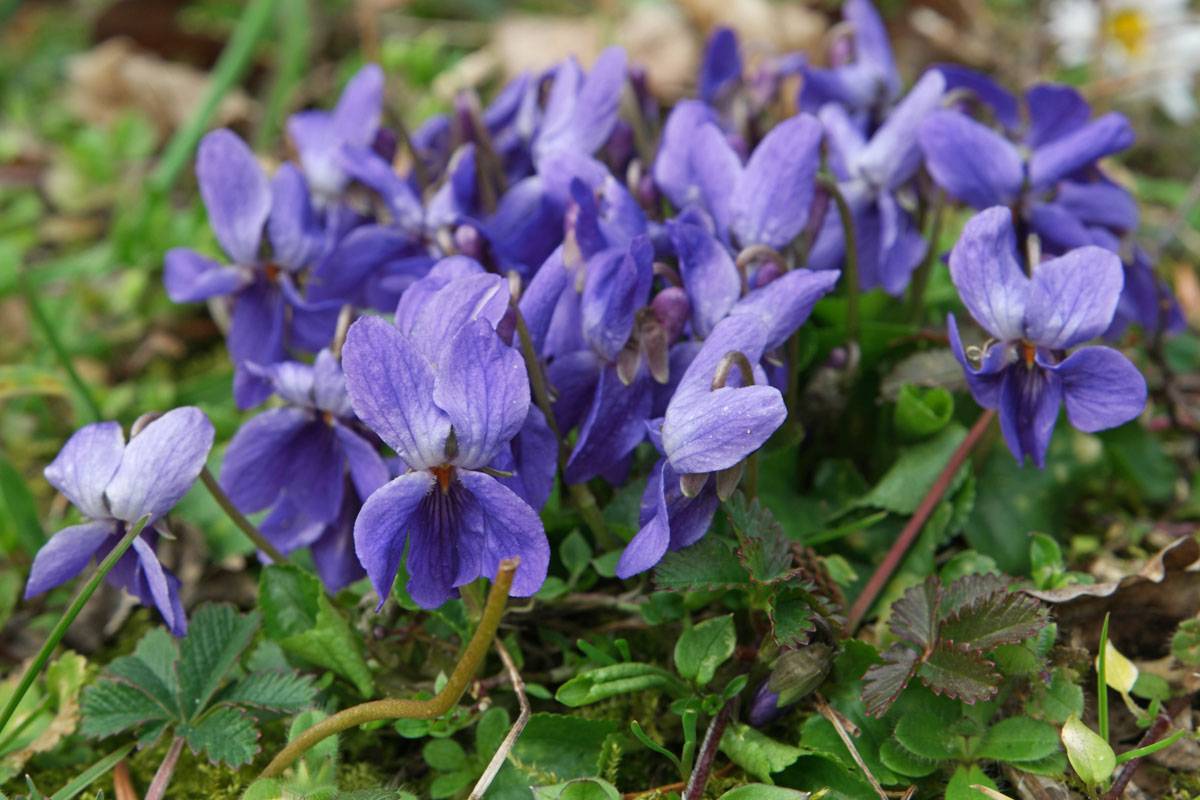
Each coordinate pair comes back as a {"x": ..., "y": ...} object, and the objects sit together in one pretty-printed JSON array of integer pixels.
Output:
[{"x": 672, "y": 308}]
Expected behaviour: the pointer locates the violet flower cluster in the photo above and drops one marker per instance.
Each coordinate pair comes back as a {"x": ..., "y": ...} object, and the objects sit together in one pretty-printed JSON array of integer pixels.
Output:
[{"x": 535, "y": 288}]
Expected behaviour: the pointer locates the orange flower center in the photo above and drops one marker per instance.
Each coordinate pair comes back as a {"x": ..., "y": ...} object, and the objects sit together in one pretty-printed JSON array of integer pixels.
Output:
[{"x": 444, "y": 474}]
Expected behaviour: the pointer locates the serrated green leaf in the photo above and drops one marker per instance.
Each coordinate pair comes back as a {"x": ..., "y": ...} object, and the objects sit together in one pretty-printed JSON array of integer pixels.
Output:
[
  {"x": 960, "y": 673},
  {"x": 909, "y": 479},
  {"x": 151, "y": 669},
  {"x": 110, "y": 708},
  {"x": 704, "y": 647},
  {"x": 970, "y": 589},
  {"x": 884, "y": 682},
  {"x": 298, "y": 615},
  {"x": 902, "y": 761},
  {"x": 915, "y": 615},
  {"x": 1000, "y": 618},
  {"x": 708, "y": 564},
  {"x": 225, "y": 735},
  {"x": 962, "y": 781},
  {"x": 582, "y": 789},
  {"x": 793, "y": 619},
  {"x": 764, "y": 549},
  {"x": 1017, "y": 739},
  {"x": 217, "y": 636},
  {"x": 922, "y": 412},
  {"x": 757, "y": 753},
  {"x": 599, "y": 684},
  {"x": 280, "y": 692}
]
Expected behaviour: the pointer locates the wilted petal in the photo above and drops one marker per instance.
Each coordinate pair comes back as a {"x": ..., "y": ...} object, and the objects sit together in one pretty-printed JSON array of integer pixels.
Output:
[
  {"x": 709, "y": 275},
  {"x": 784, "y": 304},
  {"x": 1103, "y": 136},
  {"x": 391, "y": 388},
  {"x": 984, "y": 268},
  {"x": 1029, "y": 403},
  {"x": 614, "y": 426},
  {"x": 1072, "y": 298},
  {"x": 65, "y": 555},
  {"x": 970, "y": 161},
  {"x": 1101, "y": 388},
  {"x": 86, "y": 464},
  {"x": 257, "y": 462},
  {"x": 235, "y": 192},
  {"x": 189, "y": 276},
  {"x": 771, "y": 199},
  {"x": 510, "y": 528},
  {"x": 384, "y": 525},
  {"x": 715, "y": 431},
  {"x": 160, "y": 464},
  {"x": 483, "y": 388},
  {"x": 1055, "y": 111}
]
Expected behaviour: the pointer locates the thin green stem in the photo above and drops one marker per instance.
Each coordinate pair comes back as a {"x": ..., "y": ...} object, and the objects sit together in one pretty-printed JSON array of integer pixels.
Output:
[
  {"x": 920, "y": 280},
  {"x": 851, "y": 260},
  {"x": 239, "y": 519},
  {"x": 64, "y": 622},
  {"x": 295, "y": 37},
  {"x": 230, "y": 67},
  {"x": 43, "y": 322},
  {"x": 402, "y": 708},
  {"x": 1153, "y": 748},
  {"x": 1102, "y": 681}
]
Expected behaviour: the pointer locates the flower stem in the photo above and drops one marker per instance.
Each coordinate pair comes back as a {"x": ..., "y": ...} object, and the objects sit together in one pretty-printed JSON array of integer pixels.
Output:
[
  {"x": 708, "y": 753},
  {"x": 403, "y": 708},
  {"x": 64, "y": 622},
  {"x": 162, "y": 777},
  {"x": 883, "y": 573},
  {"x": 60, "y": 352},
  {"x": 851, "y": 266},
  {"x": 920, "y": 279},
  {"x": 239, "y": 519}
]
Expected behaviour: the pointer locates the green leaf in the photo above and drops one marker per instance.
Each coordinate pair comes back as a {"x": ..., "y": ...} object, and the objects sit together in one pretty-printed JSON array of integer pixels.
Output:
[
  {"x": 280, "y": 692},
  {"x": 110, "y": 708},
  {"x": 298, "y": 616},
  {"x": 490, "y": 731},
  {"x": 582, "y": 789},
  {"x": 914, "y": 616},
  {"x": 928, "y": 736},
  {"x": 959, "y": 787},
  {"x": 1185, "y": 644},
  {"x": 764, "y": 549},
  {"x": 1045, "y": 559},
  {"x": 1140, "y": 458},
  {"x": 26, "y": 530},
  {"x": 576, "y": 554},
  {"x": 902, "y": 761},
  {"x": 1018, "y": 739},
  {"x": 884, "y": 682},
  {"x": 761, "y": 791},
  {"x": 960, "y": 673},
  {"x": 755, "y": 752},
  {"x": 565, "y": 746},
  {"x": 1090, "y": 756},
  {"x": 704, "y": 647},
  {"x": 449, "y": 784},
  {"x": 217, "y": 636},
  {"x": 1058, "y": 701},
  {"x": 444, "y": 755},
  {"x": 1001, "y": 618},
  {"x": 793, "y": 618},
  {"x": 922, "y": 412},
  {"x": 600, "y": 684},
  {"x": 226, "y": 735},
  {"x": 912, "y": 476},
  {"x": 151, "y": 669},
  {"x": 708, "y": 564}
]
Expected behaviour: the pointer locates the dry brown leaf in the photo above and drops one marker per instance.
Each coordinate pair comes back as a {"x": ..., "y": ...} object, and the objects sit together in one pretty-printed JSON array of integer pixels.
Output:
[
  {"x": 659, "y": 38},
  {"x": 531, "y": 43}
]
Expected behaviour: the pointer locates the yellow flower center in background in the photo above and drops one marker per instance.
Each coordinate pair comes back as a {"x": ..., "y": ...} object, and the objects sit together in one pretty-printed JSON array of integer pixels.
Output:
[{"x": 1128, "y": 26}]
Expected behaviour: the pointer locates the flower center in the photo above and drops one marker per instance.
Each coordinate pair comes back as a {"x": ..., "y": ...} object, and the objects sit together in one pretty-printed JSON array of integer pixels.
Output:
[
  {"x": 1128, "y": 27},
  {"x": 1028, "y": 352},
  {"x": 272, "y": 271},
  {"x": 444, "y": 474}
]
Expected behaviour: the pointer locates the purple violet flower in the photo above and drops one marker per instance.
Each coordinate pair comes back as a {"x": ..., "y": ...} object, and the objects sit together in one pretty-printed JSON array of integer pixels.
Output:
[
  {"x": 581, "y": 110},
  {"x": 863, "y": 79},
  {"x": 448, "y": 395},
  {"x": 115, "y": 484},
  {"x": 1026, "y": 373}
]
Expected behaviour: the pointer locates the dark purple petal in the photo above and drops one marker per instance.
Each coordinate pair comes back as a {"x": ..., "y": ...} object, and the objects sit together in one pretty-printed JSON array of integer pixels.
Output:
[
  {"x": 446, "y": 543},
  {"x": 1003, "y": 104},
  {"x": 315, "y": 472},
  {"x": 256, "y": 331},
  {"x": 714, "y": 431},
  {"x": 893, "y": 155},
  {"x": 984, "y": 381},
  {"x": 86, "y": 464},
  {"x": 510, "y": 528},
  {"x": 1101, "y": 388},
  {"x": 709, "y": 275},
  {"x": 526, "y": 227},
  {"x": 542, "y": 295},
  {"x": 367, "y": 468},
  {"x": 649, "y": 544},
  {"x": 1055, "y": 111},
  {"x": 343, "y": 274},
  {"x": 385, "y": 524},
  {"x": 1029, "y": 403},
  {"x": 573, "y": 377},
  {"x": 1058, "y": 229},
  {"x": 288, "y": 529},
  {"x": 65, "y": 555},
  {"x": 984, "y": 268},
  {"x": 189, "y": 276},
  {"x": 257, "y": 462},
  {"x": 721, "y": 67},
  {"x": 483, "y": 388},
  {"x": 614, "y": 426},
  {"x": 971, "y": 162},
  {"x": 333, "y": 553},
  {"x": 1099, "y": 203},
  {"x": 784, "y": 304},
  {"x": 1056, "y": 160},
  {"x": 159, "y": 589},
  {"x": 391, "y": 388},
  {"x": 771, "y": 199},
  {"x": 365, "y": 166},
  {"x": 160, "y": 464},
  {"x": 1072, "y": 298},
  {"x": 533, "y": 460},
  {"x": 673, "y": 165},
  {"x": 617, "y": 285},
  {"x": 235, "y": 192}
]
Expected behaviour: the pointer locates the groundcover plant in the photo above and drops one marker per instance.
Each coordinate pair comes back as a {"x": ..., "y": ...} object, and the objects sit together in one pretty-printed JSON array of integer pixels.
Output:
[{"x": 583, "y": 443}]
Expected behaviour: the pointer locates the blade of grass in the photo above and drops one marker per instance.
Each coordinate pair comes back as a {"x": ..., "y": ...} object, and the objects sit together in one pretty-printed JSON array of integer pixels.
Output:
[
  {"x": 90, "y": 775},
  {"x": 1102, "y": 682},
  {"x": 295, "y": 42},
  {"x": 44, "y": 324},
  {"x": 22, "y": 509}
]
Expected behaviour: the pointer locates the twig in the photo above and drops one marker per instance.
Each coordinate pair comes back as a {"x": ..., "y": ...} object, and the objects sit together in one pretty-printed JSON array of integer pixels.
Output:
[
  {"x": 835, "y": 720},
  {"x": 501, "y": 754},
  {"x": 162, "y": 777},
  {"x": 403, "y": 708},
  {"x": 708, "y": 753},
  {"x": 883, "y": 573},
  {"x": 239, "y": 519}
]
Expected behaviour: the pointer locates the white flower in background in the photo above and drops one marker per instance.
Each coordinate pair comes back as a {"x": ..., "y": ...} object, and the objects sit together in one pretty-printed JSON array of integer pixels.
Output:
[{"x": 1155, "y": 44}]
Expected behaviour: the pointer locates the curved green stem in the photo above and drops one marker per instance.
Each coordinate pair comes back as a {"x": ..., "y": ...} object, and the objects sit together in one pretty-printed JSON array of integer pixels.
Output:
[
  {"x": 851, "y": 267},
  {"x": 239, "y": 519},
  {"x": 402, "y": 708},
  {"x": 64, "y": 622}
]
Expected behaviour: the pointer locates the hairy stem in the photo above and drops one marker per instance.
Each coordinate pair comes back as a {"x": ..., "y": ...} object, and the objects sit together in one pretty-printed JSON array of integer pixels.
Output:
[
  {"x": 402, "y": 708},
  {"x": 64, "y": 622},
  {"x": 708, "y": 753},
  {"x": 883, "y": 573},
  {"x": 239, "y": 519},
  {"x": 162, "y": 778}
]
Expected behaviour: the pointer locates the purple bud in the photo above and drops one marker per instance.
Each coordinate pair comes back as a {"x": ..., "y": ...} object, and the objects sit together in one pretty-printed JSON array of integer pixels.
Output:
[
  {"x": 469, "y": 242},
  {"x": 385, "y": 144},
  {"x": 838, "y": 358},
  {"x": 767, "y": 273},
  {"x": 764, "y": 708},
  {"x": 620, "y": 146},
  {"x": 672, "y": 308}
]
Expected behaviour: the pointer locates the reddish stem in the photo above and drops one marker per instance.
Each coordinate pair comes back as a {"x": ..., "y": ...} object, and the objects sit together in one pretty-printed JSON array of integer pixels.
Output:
[
  {"x": 883, "y": 573},
  {"x": 162, "y": 778}
]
